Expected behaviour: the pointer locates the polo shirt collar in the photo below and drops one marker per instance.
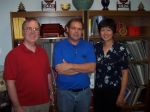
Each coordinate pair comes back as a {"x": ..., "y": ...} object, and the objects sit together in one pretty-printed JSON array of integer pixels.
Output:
[
  {"x": 25, "y": 49},
  {"x": 78, "y": 44}
]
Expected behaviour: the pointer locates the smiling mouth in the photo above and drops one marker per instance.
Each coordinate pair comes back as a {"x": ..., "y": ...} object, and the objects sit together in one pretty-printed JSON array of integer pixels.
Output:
[{"x": 105, "y": 37}]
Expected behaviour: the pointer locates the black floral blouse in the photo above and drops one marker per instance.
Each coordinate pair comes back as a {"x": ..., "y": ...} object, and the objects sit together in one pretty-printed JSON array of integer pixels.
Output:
[{"x": 109, "y": 66}]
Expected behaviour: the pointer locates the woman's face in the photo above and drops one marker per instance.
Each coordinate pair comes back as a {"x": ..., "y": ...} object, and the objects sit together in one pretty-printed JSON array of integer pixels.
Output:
[{"x": 106, "y": 33}]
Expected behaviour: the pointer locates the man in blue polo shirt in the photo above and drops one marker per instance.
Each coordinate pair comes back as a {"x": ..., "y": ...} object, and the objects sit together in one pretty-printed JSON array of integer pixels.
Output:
[{"x": 74, "y": 58}]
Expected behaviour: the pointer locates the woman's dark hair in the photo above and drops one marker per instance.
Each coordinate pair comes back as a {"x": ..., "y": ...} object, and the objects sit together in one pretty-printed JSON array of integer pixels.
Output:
[{"x": 107, "y": 22}]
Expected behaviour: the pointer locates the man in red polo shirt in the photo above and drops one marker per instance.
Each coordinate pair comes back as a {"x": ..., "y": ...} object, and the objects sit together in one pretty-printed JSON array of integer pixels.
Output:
[{"x": 27, "y": 72}]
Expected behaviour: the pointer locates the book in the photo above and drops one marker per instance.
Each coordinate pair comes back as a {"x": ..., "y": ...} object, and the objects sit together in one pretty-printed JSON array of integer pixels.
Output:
[
  {"x": 127, "y": 93},
  {"x": 137, "y": 95}
]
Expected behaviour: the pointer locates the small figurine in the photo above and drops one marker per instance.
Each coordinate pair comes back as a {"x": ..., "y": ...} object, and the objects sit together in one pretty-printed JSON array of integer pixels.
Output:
[
  {"x": 49, "y": 4},
  {"x": 141, "y": 7},
  {"x": 65, "y": 6},
  {"x": 21, "y": 7}
]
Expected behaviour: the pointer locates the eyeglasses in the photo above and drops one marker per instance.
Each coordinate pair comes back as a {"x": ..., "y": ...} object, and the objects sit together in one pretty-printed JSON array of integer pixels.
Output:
[{"x": 30, "y": 29}]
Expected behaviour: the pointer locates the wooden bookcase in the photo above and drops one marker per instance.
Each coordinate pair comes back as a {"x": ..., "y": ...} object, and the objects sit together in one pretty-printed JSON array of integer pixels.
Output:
[{"x": 128, "y": 18}]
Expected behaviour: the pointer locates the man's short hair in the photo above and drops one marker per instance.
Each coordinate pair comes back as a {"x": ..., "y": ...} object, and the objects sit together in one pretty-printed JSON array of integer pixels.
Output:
[
  {"x": 74, "y": 20},
  {"x": 29, "y": 20}
]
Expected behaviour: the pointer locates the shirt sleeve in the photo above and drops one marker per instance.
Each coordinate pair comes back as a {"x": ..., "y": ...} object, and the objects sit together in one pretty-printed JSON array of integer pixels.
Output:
[
  {"x": 10, "y": 67},
  {"x": 57, "y": 54},
  {"x": 124, "y": 59}
]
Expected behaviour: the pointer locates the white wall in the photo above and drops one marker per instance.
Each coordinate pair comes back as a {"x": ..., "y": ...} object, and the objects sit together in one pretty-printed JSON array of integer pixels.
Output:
[{"x": 7, "y": 6}]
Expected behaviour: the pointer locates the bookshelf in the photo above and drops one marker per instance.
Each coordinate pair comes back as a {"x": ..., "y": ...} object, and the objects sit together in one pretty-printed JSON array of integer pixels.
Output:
[
  {"x": 44, "y": 17},
  {"x": 125, "y": 18},
  {"x": 137, "y": 43}
]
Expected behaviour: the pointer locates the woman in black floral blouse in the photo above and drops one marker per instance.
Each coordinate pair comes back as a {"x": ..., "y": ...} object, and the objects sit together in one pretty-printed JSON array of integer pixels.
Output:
[{"x": 111, "y": 70}]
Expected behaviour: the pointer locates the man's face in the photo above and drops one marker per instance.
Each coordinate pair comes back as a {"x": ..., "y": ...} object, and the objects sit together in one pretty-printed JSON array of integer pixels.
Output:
[
  {"x": 75, "y": 31},
  {"x": 31, "y": 32}
]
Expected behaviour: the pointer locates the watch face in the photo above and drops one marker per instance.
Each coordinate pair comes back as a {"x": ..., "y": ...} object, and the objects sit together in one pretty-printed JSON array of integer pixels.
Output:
[
  {"x": 123, "y": 1},
  {"x": 2, "y": 85}
]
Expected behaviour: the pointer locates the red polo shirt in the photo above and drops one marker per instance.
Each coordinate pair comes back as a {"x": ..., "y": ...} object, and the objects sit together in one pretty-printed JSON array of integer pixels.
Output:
[{"x": 30, "y": 71}]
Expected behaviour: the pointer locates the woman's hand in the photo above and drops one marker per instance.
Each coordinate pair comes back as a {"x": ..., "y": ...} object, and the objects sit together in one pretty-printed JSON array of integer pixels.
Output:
[{"x": 120, "y": 100}]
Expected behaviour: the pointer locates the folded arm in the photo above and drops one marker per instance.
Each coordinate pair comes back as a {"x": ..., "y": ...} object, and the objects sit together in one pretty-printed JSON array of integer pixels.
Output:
[{"x": 69, "y": 68}]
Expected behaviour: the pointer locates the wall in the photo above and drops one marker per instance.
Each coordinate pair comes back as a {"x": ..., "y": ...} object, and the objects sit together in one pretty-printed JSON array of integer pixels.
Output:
[{"x": 6, "y": 6}]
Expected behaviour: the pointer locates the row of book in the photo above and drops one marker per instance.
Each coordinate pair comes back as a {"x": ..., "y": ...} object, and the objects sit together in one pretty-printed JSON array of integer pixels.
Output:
[
  {"x": 138, "y": 74},
  {"x": 93, "y": 25},
  {"x": 138, "y": 79},
  {"x": 137, "y": 50},
  {"x": 48, "y": 45},
  {"x": 135, "y": 95}
]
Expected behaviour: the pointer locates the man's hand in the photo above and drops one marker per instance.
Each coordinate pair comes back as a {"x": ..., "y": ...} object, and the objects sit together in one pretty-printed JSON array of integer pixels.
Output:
[
  {"x": 18, "y": 109},
  {"x": 60, "y": 68},
  {"x": 52, "y": 97}
]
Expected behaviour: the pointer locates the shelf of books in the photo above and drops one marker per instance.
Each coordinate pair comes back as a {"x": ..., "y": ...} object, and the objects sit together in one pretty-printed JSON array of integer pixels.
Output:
[
  {"x": 132, "y": 30},
  {"x": 52, "y": 23}
]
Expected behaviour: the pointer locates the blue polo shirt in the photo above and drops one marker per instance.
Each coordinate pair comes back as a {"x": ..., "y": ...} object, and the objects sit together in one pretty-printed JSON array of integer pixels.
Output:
[{"x": 81, "y": 53}]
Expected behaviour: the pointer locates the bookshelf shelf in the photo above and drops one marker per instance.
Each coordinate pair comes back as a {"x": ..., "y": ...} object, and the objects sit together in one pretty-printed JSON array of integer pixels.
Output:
[
  {"x": 113, "y": 13},
  {"x": 47, "y": 14},
  {"x": 133, "y": 107}
]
